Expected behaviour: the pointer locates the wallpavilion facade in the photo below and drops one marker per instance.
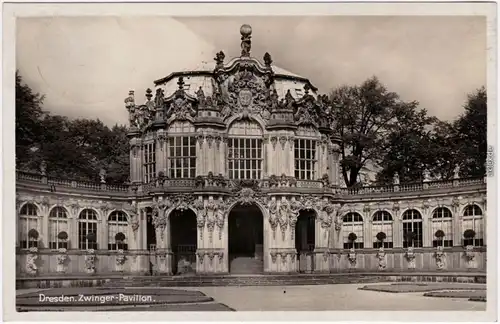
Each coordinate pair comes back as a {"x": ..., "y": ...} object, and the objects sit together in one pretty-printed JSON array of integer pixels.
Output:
[{"x": 235, "y": 170}]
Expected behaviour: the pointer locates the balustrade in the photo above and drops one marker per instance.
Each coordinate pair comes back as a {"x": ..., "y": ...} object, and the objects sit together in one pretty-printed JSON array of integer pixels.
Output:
[{"x": 219, "y": 181}]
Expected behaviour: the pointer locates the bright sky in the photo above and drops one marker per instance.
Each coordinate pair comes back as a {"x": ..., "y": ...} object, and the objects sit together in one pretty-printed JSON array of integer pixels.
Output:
[{"x": 86, "y": 66}]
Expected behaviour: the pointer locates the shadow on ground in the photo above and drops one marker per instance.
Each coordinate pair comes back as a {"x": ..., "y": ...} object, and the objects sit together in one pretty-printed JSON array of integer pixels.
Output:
[{"x": 473, "y": 292}]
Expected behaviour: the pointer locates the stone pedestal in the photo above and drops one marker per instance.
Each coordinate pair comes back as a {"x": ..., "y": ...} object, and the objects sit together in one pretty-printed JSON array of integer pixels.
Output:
[{"x": 164, "y": 260}]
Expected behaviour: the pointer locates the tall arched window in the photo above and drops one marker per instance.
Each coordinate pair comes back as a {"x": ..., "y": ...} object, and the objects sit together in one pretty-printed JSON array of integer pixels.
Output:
[
  {"x": 117, "y": 223},
  {"x": 244, "y": 153},
  {"x": 473, "y": 219},
  {"x": 382, "y": 223},
  {"x": 412, "y": 223},
  {"x": 87, "y": 223},
  {"x": 305, "y": 153},
  {"x": 353, "y": 223},
  {"x": 181, "y": 154},
  {"x": 58, "y": 223},
  {"x": 149, "y": 159},
  {"x": 442, "y": 228},
  {"x": 28, "y": 220}
]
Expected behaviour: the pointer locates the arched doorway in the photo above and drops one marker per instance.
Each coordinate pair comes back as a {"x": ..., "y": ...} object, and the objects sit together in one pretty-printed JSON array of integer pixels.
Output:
[
  {"x": 305, "y": 238},
  {"x": 246, "y": 239},
  {"x": 183, "y": 241}
]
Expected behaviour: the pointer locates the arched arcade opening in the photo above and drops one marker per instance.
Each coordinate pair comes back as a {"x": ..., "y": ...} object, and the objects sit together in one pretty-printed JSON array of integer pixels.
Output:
[
  {"x": 183, "y": 241},
  {"x": 305, "y": 238},
  {"x": 246, "y": 239}
]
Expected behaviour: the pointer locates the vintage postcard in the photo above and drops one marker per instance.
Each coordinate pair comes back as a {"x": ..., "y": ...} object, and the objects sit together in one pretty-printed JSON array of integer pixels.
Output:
[{"x": 212, "y": 160}]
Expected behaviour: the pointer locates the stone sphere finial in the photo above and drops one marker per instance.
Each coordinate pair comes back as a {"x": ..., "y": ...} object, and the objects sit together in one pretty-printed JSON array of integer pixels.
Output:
[{"x": 246, "y": 30}]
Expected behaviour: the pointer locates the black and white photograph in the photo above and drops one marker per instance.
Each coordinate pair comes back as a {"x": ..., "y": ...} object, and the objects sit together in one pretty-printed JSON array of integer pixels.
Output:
[{"x": 224, "y": 163}]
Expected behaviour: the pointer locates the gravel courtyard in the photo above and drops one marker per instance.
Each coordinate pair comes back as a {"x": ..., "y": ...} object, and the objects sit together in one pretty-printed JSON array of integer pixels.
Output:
[{"x": 339, "y": 297}]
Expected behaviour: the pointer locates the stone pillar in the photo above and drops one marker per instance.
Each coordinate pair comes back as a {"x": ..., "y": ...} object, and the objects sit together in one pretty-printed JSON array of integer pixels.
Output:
[
  {"x": 397, "y": 227},
  {"x": 136, "y": 160},
  {"x": 164, "y": 255},
  {"x": 45, "y": 226},
  {"x": 368, "y": 233},
  {"x": 161, "y": 150},
  {"x": 200, "y": 155}
]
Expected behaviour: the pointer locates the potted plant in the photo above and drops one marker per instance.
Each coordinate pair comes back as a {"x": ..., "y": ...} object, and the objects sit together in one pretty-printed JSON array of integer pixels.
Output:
[
  {"x": 352, "y": 237},
  {"x": 33, "y": 237},
  {"x": 63, "y": 236},
  {"x": 439, "y": 236},
  {"x": 410, "y": 237},
  {"x": 92, "y": 239},
  {"x": 381, "y": 237},
  {"x": 119, "y": 238},
  {"x": 469, "y": 235}
]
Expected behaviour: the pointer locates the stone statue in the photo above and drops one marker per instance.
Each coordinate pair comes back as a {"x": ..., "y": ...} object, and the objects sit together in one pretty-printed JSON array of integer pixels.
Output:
[
  {"x": 427, "y": 175},
  {"x": 456, "y": 172},
  {"x": 395, "y": 179},
  {"x": 90, "y": 261},
  {"x": 246, "y": 43},
  {"x": 382, "y": 263},
  {"x": 440, "y": 258},
  {"x": 31, "y": 258},
  {"x": 61, "y": 259}
]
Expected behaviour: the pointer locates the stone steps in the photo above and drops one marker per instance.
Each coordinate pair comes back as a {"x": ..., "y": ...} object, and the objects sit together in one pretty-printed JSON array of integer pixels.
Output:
[
  {"x": 246, "y": 265},
  {"x": 267, "y": 279},
  {"x": 273, "y": 280}
]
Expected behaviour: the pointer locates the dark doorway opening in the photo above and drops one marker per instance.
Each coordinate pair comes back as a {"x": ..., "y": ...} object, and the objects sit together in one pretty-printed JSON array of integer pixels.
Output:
[
  {"x": 150, "y": 230},
  {"x": 305, "y": 237},
  {"x": 183, "y": 239},
  {"x": 246, "y": 239}
]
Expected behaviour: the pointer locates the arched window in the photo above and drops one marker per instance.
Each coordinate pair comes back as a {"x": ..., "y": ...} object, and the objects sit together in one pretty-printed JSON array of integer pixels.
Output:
[
  {"x": 244, "y": 150},
  {"x": 58, "y": 223},
  {"x": 117, "y": 223},
  {"x": 87, "y": 223},
  {"x": 181, "y": 153},
  {"x": 305, "y": 159},
  {"x": 149, "y": 160},
  {"x": 473, "y": 219},
  {"x": 441, "y": 227},
  {"x": 412, "y": 223},
  {"x": 353, "y": 223},
  {"x": 382, "y": 223},
  {"x": 28, "y": 220}
]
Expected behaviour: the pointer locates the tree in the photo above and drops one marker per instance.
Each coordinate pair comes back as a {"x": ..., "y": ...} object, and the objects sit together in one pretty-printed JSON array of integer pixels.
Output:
[
  {"x": 28, "y": 114},
  {"x": 75, "y": 149},
  {"x": 471, "y": 134},
  {"x": 410, "y": 144},
  {"x": 365, "y": 117}
]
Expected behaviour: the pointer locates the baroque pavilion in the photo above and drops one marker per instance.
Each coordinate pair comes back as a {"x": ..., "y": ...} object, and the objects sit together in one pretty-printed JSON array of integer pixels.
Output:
[{"x": 236, "y": 170}]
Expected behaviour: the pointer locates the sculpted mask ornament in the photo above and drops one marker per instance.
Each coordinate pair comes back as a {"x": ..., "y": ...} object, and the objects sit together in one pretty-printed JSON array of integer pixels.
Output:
[
  {"x": 199, "y": 206},
  {"x": 295, "y": 207},
  {"x": 273, "y": 215},
  {"x": 220, "y": 216},
  {"x": 160, "y": 219},
  {"x": 284, "y": 209},
  {"x": 211, "y": 210},
  {"x": 327, "y": 216}
]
